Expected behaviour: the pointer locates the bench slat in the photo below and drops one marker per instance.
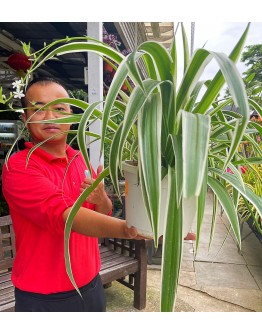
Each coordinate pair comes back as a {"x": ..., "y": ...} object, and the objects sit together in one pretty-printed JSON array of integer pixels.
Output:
[
  {"x": 6, "y": 264},
  {"x": 7, "y": 299},
  {"x": 7, "y": 306},
  {"x": 114, "y": 273},
  {"x": 108, "y": 255},
  {"x": 5, "y": 277},
  {"x": 6, "y": 285},
  {"x": 7, "y": 295},
  {"x": 118, "y": 261}
]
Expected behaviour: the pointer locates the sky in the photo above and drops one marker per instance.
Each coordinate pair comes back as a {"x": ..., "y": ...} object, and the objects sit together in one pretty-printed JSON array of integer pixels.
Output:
[{"x": 220, "y": 37}]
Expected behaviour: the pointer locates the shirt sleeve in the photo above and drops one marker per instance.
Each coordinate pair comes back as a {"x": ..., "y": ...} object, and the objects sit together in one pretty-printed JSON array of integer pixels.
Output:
[{"x": 30, "y": 193}]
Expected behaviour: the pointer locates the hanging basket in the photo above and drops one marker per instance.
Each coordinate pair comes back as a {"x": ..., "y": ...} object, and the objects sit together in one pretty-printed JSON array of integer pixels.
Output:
[{"x": 19, "y": 62}]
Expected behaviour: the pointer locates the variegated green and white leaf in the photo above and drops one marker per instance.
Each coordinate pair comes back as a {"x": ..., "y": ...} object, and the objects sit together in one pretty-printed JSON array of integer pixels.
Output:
[
  {"x": 149, "y": 144},
  {"x": 227, "y": 204},
  {"x": 244, "y": 190},
  {"x": 173, "y": 240},
  {"x": 195, "y": 136}
]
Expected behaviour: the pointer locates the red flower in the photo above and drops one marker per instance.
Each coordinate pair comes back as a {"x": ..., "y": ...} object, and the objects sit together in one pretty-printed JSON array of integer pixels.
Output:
[
  {"x": 19, "y": 62},
  {"x": 124, "y": 88},
  {"x": 229, "y": 170},
  {"x": 108, "y": 68},
  {"x": 243, "y": 169}
]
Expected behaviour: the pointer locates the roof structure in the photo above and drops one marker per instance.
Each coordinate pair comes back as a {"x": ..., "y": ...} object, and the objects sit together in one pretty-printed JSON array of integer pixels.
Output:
[{"x": 70, "y": 67}]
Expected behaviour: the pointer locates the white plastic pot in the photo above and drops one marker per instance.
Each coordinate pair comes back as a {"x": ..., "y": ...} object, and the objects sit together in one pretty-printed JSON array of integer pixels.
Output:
[{"x": 136, "y": 214}]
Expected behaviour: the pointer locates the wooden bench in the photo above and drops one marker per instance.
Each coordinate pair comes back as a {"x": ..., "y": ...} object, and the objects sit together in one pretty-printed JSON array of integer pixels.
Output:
[
  {"x": 122, "y": 260},
  {"x": 7, "y": 254}
]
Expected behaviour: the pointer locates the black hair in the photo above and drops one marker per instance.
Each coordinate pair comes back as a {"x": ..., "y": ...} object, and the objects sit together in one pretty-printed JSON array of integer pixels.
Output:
[
  {"x": 41, "y": 80},
  {"x": 21, "y": 144}
]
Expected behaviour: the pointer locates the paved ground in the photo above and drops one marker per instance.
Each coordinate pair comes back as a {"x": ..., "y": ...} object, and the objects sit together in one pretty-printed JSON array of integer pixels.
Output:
[{"x": 219, "y": 279}]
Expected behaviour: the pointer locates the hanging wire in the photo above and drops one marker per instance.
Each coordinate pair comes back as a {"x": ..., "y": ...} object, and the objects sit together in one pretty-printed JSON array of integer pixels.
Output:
[
  {"x": 176, "y": 28},
  {"x": 136, "y": 34},
  {"x": 192, "y": 36}
]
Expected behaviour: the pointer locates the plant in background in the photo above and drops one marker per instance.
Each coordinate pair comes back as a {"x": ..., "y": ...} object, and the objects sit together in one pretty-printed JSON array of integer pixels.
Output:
[
  {"x": 252, "y": 57},
  {"x": 17, "y": 94},
  {"x": 247, "y": 211},
  {"x": 174, "y": 133}
]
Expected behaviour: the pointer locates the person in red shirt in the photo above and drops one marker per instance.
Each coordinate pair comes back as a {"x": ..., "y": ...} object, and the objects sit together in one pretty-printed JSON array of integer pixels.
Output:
[{"x": 40, "y": 192}]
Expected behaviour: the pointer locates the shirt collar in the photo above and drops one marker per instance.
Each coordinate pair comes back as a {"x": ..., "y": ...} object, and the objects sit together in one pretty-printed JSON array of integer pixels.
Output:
[{"x": 50, "y": 157}]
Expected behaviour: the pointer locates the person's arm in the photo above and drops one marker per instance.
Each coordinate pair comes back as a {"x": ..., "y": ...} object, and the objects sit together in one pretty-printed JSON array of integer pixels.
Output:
[{"x": 95, "y": 224}]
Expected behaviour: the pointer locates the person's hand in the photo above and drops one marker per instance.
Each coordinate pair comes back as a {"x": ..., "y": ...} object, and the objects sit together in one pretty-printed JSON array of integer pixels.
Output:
[
  {"x": 98, "y": 195},
  {"x": 130, "y": 232}
]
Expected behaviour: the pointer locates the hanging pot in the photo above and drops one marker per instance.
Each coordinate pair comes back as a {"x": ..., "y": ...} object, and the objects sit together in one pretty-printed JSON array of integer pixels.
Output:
[
  {"x": 136, "y": 214},
  {"x": 135, "y": 210},
  {"x": 19, "y": 62}
]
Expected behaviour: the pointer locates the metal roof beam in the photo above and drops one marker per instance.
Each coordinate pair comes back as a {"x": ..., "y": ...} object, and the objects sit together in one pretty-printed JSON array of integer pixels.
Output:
[{"x": 9, "y": 44}]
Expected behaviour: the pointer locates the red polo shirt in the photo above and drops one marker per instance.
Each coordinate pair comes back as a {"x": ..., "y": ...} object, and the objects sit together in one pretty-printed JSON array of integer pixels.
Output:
[{"x": 37, "y": 195}]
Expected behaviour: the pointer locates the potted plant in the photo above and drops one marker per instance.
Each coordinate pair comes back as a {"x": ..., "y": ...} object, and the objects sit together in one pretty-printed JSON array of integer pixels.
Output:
[{"x": 174, "y": 134}]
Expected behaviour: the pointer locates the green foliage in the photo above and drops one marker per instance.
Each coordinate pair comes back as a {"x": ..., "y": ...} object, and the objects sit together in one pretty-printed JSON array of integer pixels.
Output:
[
  {"x": 252, "y": 57},
  {"x": 253, "y": 179},
  {"x": 78, "y": 94}
]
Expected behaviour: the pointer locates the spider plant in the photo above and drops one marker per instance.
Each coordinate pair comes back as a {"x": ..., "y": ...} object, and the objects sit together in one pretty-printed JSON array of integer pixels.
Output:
[
  {"x": 247, "y": 211},
  {"x": 173, "y": 132},
  {"x": 191, "y": 141}
]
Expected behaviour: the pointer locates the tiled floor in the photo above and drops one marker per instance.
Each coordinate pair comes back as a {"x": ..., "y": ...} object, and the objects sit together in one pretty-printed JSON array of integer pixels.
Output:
[{"x": 223, "y": 264}]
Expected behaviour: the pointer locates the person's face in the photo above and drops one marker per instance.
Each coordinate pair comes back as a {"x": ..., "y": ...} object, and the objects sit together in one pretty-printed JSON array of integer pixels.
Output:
[{"x": 37, "y": 96}]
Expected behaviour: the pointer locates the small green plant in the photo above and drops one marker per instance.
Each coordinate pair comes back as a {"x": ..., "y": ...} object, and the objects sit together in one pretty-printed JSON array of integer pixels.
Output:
[{"x": 253, "y": 179}]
